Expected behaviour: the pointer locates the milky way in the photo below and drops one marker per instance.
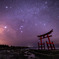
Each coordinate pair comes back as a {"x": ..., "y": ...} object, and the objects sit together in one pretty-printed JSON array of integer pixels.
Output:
[{"x": 22, "y": 20}]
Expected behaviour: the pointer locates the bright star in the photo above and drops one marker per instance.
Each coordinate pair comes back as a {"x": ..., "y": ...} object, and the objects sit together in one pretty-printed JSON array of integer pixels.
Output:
[
  {"x": 5, "y": 27},
  {"x": 6, "y": 7}
]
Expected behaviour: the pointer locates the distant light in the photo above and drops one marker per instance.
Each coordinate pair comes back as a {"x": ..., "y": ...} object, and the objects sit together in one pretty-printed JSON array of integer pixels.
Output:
[{"x": 30, "y": 46}]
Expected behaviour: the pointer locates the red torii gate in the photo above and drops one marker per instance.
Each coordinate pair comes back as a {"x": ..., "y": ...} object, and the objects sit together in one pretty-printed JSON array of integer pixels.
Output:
[{"x": 50, "y": 45}]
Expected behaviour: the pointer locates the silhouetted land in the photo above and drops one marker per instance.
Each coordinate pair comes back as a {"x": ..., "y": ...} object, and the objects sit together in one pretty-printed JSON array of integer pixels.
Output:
[{"x": 17, "y": 52}]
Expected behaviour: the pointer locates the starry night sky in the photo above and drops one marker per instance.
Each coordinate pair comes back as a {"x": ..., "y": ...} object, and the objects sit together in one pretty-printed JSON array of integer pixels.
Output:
[{"x": 22, "y": 20}]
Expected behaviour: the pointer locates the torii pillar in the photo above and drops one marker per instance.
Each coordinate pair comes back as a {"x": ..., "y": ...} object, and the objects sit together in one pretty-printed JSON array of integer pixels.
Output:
[{"x": 40, "y": 44}]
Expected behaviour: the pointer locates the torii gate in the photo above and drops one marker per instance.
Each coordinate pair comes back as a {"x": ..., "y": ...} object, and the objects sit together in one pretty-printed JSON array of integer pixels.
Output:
[{"x": 50, "y": 45}]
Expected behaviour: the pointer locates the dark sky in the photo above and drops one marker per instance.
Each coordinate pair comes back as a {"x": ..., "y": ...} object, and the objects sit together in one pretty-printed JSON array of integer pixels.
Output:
[{"x": 22, "y": 20}]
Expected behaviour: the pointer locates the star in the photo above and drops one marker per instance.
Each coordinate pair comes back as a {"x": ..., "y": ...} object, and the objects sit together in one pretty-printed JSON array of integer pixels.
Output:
[
  {"x": 5, "y": 27},
  {"x": 46, "y": 2},
  {"x": 21, "y": 31},
  {"x": 35, "y": 24},
  {"x": 23, "y": 20},
  {"x": 44, "y": 24},
  {"x": 6, "y": 7},
  {"x": 21, "y": 26}
]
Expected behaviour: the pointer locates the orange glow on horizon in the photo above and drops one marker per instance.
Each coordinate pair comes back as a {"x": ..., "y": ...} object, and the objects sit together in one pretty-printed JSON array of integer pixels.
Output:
[
  {"x": 2, "y": 42},
  {"x": 1, "y": 30}
]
